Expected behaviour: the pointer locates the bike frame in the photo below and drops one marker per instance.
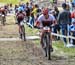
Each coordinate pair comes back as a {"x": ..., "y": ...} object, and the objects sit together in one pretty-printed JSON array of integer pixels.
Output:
[{"x": 47, "y": 42}]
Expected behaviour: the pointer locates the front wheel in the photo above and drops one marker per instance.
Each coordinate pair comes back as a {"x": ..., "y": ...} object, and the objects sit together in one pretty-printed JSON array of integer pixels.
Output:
[
  {"x": 49, "y": 53},
  {"x": 46, "y": 42},
  {"x": 45, "y": 46}
]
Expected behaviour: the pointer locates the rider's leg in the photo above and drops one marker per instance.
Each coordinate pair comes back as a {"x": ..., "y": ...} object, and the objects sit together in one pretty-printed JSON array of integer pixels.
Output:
[
  {"x": 41, "y": 41},
  {"x": 20, "y": 31},
  {"x": 51, "y": 48},
  {"x": 20, "y": 34}
]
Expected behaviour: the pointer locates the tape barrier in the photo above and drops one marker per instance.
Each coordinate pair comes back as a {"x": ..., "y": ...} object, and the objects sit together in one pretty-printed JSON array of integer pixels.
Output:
[{"x": 59, "y": 35}]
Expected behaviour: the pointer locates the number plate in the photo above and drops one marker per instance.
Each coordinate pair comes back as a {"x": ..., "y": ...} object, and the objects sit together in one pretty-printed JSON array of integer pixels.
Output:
[
  {"x": 21, "y": 23},
  {"x": 2, "y": 15},
  {"x": 46, "y": 28}
]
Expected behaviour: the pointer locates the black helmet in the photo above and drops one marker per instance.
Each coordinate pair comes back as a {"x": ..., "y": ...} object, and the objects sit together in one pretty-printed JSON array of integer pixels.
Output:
[{"x": 64, "y": 5}]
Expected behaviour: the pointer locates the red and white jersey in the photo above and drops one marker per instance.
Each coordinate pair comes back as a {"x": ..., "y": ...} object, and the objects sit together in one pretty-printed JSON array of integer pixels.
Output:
[{"x": 46, "y": 22}]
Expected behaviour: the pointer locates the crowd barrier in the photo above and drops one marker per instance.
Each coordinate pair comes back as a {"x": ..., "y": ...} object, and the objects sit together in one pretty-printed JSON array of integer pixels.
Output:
[
  {"x": 69, "y": 44},
  {"x": 59, "y": 35}
]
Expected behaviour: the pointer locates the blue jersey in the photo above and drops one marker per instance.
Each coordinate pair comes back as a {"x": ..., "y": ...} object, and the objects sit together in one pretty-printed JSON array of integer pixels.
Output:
[{"x": 20, "y": 9}]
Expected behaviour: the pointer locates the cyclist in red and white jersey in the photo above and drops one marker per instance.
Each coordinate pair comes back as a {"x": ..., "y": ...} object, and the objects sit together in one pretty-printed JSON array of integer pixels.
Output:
[{"x": 43, "y": 20}]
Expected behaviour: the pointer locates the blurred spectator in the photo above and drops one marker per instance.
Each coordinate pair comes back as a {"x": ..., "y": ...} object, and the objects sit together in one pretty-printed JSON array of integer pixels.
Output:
[
  {"x": 73, "y": 14},
  {"x": 35, "y": 10},
  {"x": 64, "y": 20},
  {"x": 57, "y": 26},
  {"x": 16, "y": 8},
  {"x": 27, "y": 13},
  {"x": 72, "y": 31},
  {"x": 11, "y": 8}
]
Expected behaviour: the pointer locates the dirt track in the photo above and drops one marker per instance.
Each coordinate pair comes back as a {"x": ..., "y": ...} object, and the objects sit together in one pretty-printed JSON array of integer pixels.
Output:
[{"x": 26, "y": 53}]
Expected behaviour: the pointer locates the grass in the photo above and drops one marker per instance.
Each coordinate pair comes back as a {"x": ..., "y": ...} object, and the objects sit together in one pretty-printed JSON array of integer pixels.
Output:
[
  {"x": 12, "y": 1},
  {"x": 31, "y": 31},
  {"x": 60, "y": 46}
]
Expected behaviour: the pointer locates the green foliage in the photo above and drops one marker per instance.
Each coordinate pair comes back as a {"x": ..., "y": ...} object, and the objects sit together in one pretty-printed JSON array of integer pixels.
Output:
[{"x": 12, "y": 1}]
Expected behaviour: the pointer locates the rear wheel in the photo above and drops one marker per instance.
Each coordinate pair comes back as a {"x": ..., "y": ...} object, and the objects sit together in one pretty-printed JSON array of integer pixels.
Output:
[{"x": 23, "y": 32}]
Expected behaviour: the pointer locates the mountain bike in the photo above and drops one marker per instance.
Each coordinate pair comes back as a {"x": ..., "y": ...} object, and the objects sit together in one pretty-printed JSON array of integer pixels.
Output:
[{"x": 47, "y": 42}]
